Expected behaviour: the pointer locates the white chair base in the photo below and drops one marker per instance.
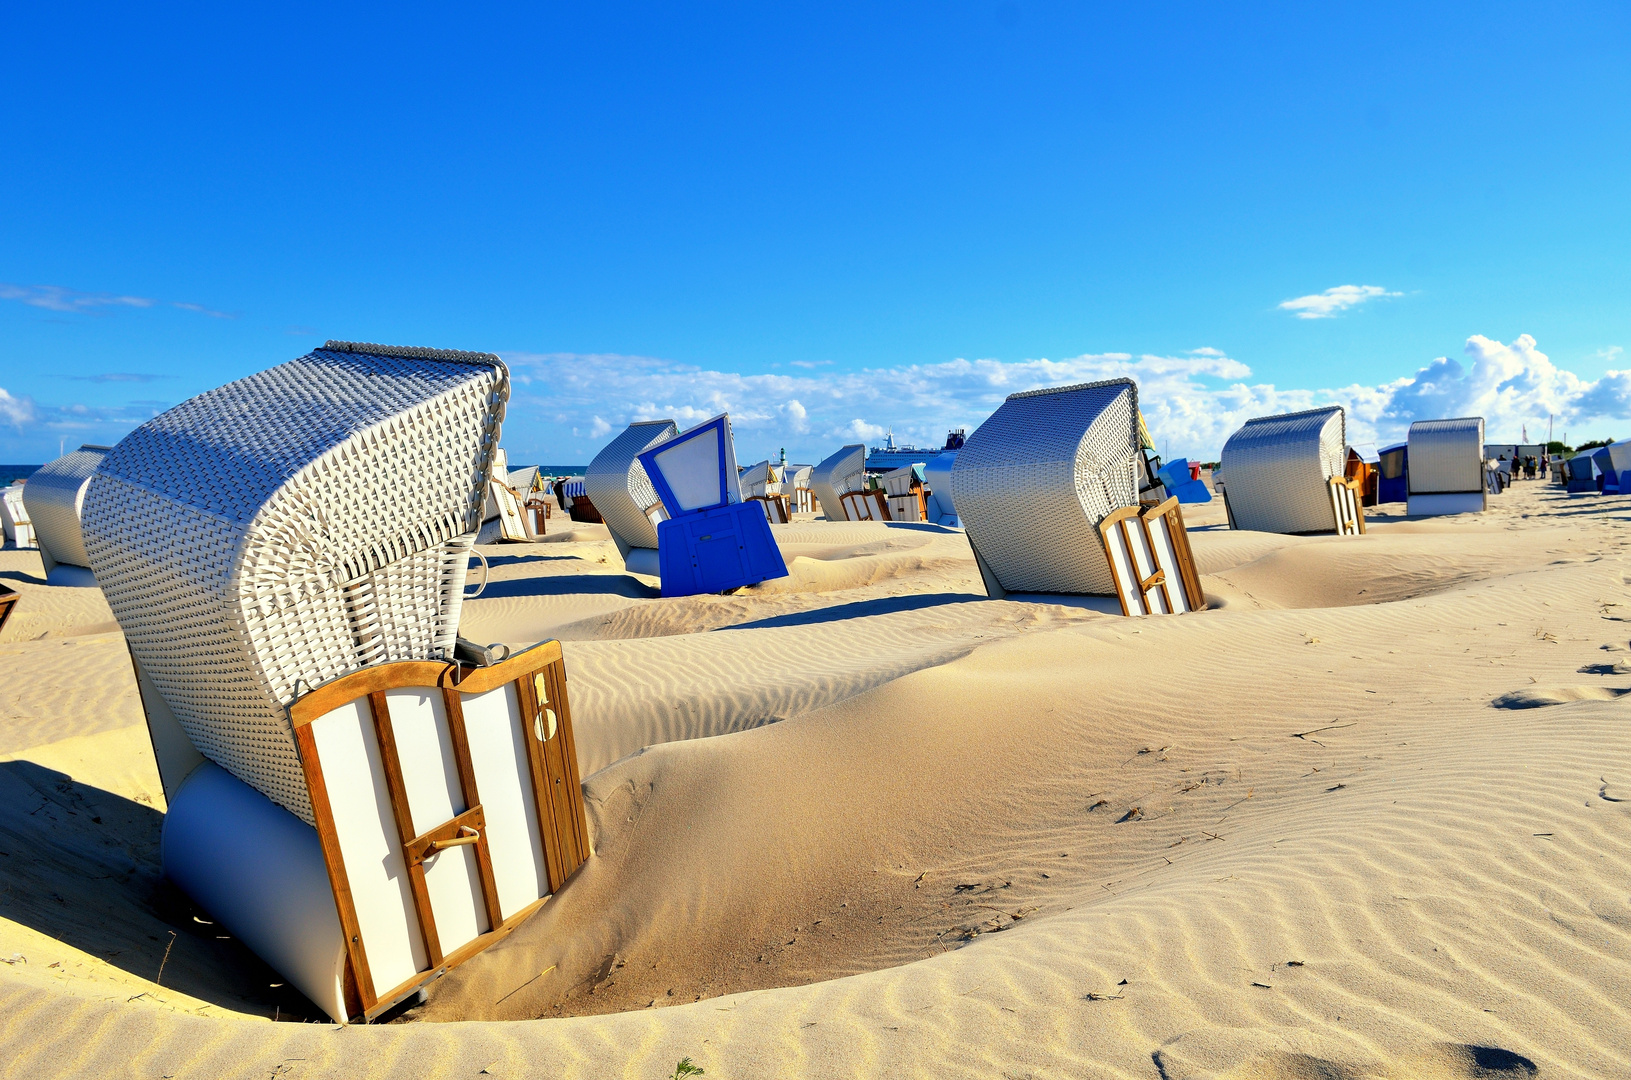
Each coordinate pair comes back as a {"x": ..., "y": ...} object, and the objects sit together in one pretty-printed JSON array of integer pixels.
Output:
[{"x": 1459, "y": 502}]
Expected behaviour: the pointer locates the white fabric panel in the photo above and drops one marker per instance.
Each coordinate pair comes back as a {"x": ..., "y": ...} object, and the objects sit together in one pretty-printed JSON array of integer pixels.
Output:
[
  {"x": 258, "y": 870},
  {"x": 692, "y": 471},
  {"x": 498, "y": 754},
  {"x": 348, "y": 754},
  {"x": 430, "y": 775}
]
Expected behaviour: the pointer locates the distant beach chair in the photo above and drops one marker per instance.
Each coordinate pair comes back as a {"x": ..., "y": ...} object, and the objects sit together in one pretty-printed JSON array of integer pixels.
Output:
[
  {"x": 1447, "y": 467},
  {"x": 625, "y": 497},
  {"x": 940, "y": 508},
  {"x": 287, "y": 558},
  {"x": 838, "y": 475},
  {"x": 762, "y": 483},
  {"x": 1283, "y": 473},
  {"x": 713, "y": 541},
  {"x": 54, "y": 499},
  {"x": 1036, "y": 485},
  {"x": 796, "y": 486},
  {"x": 14, "y": 517},
  {"x": 572, "y": 495},
  {"x": 904, "y": 492}
]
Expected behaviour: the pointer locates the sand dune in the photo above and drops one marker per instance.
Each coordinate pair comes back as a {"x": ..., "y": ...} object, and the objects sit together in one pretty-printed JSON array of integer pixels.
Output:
[{"x": 1370, "y": 816}]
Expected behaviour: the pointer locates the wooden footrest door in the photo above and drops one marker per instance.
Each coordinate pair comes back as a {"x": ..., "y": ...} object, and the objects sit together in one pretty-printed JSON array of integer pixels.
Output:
[
  {"x": 1150, "y": 560},
  {"x": 1347, "y": 506},
  {"x": 449, "y": 807}
]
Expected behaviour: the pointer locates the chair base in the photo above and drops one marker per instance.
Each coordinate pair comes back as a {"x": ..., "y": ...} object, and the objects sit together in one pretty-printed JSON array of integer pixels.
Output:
[
  {"x": 711, "y": 551},
  {"x": 1455, "y": 502}
]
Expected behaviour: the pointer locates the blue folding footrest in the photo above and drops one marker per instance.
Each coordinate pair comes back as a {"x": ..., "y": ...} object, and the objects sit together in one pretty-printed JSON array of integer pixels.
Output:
[{"x": 710, "y": 551}]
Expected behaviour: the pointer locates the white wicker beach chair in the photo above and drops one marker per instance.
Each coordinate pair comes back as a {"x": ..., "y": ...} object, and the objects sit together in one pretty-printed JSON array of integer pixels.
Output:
[
  {"x": 14, "y": 517},
  {"x": 1447, "y": 467},
  {"x": 54, "y": 498},
  {"x": 618, "y": 486},
  {"x": 1035, "y": 481},
  {"x": 762, "y": 482},
  {"x": 796, "y": 486},
  {"x": 836, "y": 476},
  {"x": 287, "y": 557},
  {"x": 903, "y": 488},
  {"x": 1279, "y": 471},
  {"x": 937, "y": 477}
]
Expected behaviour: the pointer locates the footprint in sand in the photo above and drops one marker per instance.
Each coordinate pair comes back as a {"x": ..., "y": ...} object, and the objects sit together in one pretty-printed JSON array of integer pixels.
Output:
[{"x": 1537, "y": 697}]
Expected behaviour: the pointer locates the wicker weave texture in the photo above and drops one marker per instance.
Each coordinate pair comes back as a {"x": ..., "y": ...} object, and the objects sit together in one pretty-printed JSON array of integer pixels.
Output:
[
  {"x": 1446, "y": 456},
  {"x": 290, "y": 527},
  {"x": 1033, "y": 482},
  {"x": 837, "y": 475},
  {"x": 55, "y": 497},
  {"x": 1276, "y": 470},
  {"x": 617, "y": 483}
]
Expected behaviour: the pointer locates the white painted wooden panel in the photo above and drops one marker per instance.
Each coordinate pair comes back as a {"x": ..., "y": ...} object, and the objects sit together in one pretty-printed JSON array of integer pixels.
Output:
[
  {"x": 348, "y": 754},
  {"x": 430, "y": 775},
  {"x": 498, "y": 753}
]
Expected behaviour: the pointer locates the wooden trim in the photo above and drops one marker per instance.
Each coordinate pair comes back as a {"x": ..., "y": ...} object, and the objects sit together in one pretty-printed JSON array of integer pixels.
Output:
[
  {"x": 566, "y": 791},
  {"x": 569, "y": 748},
  {"x": 397, "y": 993},
  {"x": 329, "y": 696},
  {"x": 8, "y": 600},
  {"x": 453, "y": 706},
  {"x": 1173, "y": 511},
  {"x": 1111, "y": 520},
  {"x": 392, "y": 762},
  {"x": 334, "y": 863},
  {"x": 527, "y": 698}
]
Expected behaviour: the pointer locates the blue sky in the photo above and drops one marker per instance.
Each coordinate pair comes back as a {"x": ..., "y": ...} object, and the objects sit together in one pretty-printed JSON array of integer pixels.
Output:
[{"x": 828, "y": 219}]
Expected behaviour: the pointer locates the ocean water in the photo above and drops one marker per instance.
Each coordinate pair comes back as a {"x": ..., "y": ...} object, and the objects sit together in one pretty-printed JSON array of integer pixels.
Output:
[{"x": 8, "y": 473}]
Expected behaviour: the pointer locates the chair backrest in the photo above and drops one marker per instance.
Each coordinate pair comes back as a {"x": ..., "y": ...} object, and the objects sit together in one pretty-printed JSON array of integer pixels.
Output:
[
  {"x": 292, "y": 527},
  {"x": 1035, "y": 480},
  {"x": 836, "y": 475},
  {"x": 55, "y": 499},
  {"x": 696, "y": 469},
  {"x": 937, "y": 475},
  {"x": 1447, "y": 456},
  {"x": 617, "y": 484},
  {"x": 1278, "y": 468}
]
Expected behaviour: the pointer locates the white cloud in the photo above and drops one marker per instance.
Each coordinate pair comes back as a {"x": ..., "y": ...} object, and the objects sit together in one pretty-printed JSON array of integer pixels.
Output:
[
  {"x": 57, "y": 298},
  {"x": 1192, "y": 402},
  {"x": 599, "y": 428},
  {"x": 1333, "y": 301},
  {"x": 15, "y": 411}
]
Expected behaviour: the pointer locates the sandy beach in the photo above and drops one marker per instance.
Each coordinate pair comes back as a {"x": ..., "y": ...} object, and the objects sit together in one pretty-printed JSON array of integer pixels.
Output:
[{"x": 1369, "y": 815}]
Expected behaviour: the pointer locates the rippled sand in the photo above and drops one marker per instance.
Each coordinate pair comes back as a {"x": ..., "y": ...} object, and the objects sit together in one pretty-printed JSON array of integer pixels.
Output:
[{"x": 1370, "y": 815}]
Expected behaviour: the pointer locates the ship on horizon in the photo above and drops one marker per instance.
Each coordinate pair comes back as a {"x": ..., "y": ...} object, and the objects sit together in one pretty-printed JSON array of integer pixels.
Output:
[{"x": 889, "y": 457}]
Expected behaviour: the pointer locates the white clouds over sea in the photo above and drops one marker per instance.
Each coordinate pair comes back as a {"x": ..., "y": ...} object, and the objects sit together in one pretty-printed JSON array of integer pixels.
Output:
[{"x": 1191, "y": 401}]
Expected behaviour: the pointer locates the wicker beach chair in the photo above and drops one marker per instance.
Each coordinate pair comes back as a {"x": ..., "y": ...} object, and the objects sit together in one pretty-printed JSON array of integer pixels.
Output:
[
  {"x": 838, "y": 475},
  {"x": 1447, "y": 471},
  {"x": 287, "y": 556},
  {"x": 1279, "y": 471},
  {"x": 54, "y": 499},
  {"x": 19, "y": 530},
  {"x": 940, "y": 508},
  {"x": 796, "y": 486},
  {"x": 618, "y": 486},
  {"x": 1037, "y": 481},
  {"x": 762, "y": 483},
  {"x": 903, "y": 490}
]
